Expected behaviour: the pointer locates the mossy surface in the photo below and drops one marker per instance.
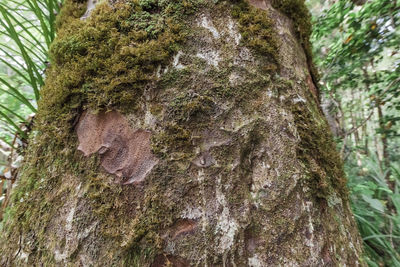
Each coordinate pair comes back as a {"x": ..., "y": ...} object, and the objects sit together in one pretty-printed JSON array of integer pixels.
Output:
[
  {"x": 318, "y": 151},
  {"x": 103, "y": 62},
  {"x": 298, "y": 12},
  {"x": 106, "y": 61},
  {"x": 257, "y": 31}
]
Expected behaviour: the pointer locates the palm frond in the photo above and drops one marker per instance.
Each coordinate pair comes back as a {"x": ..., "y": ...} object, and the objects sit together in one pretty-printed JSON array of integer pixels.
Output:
[{"x": 27, "y": 29}]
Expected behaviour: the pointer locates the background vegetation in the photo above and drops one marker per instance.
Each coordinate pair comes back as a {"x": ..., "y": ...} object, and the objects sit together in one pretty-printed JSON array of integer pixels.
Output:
[{"x": 356, "y": 48}]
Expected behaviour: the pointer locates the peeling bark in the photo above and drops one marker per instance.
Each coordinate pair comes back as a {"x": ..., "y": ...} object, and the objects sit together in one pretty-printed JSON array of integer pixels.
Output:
[{"x": 124, "y": 152}]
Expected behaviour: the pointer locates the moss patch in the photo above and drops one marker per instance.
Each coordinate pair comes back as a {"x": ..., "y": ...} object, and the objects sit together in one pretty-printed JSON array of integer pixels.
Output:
[
  {"x": 257, "y": 31},
  {"x": 174, "y": 143},
  {"x": 318, "y": 151},
  {"x": 106, "y": 61}
]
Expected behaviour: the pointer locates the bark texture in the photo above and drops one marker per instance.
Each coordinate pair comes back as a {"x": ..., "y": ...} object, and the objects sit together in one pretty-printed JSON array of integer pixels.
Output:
[{"x": 203, "y": 143}]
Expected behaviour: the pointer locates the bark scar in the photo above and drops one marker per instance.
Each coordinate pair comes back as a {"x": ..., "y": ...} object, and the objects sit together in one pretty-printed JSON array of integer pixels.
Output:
[{"x": 124, "y": 152}]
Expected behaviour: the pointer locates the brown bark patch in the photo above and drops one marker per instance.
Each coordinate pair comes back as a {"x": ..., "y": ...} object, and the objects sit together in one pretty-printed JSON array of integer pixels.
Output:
[
  {"x": 182, "y": 227},
  {"x": 326, "y": 256},
  {"x": 252, "y": 240},
  {"x": 124, "y": 152},
  {"x": 313, "y": 88}
]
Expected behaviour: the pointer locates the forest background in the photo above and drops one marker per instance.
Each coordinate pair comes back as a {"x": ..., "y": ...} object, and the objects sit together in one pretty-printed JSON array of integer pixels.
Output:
[{"x": 356, "y": 46}]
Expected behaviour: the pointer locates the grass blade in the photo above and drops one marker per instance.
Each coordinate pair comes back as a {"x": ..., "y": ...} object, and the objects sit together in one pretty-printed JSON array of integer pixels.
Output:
[
  {"x": 13, "y": 124},
  {"x": 18, "y": 95}
]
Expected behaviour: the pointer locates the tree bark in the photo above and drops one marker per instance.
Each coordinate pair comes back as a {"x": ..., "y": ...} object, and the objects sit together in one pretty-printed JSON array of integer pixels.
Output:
[{"x": 181, "y": 133}]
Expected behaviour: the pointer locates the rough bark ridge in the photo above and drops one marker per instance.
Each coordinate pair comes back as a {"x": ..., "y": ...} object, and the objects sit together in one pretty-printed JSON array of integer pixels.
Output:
[{"x": 240, "y": 169}]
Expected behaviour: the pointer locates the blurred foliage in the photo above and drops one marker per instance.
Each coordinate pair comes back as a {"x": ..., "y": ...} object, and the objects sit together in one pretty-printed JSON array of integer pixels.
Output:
[
  {"x": 378, "y": 222},
  {"x": 356, "y": 48},
  {"x": 27, "y": 29}
]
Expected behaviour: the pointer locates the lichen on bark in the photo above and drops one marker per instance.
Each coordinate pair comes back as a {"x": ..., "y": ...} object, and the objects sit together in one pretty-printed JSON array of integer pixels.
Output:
[{"x": 246, "y": 175}]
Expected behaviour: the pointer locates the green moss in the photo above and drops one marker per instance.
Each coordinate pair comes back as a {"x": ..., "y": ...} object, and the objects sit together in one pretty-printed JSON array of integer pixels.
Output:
[
  {"x": 318, "y": 151},
  {"x": 188, "y": 108},
  {"x": 30, "y": 201},
  {"x": 257, "y": 31},
  {"x": 42, "y": 192},
  {"x": 70, "y": 11},
  {"x": 242, "y": 93},
  {"x": 105, "y": 61},
  {"x": 174, "y": 143}
]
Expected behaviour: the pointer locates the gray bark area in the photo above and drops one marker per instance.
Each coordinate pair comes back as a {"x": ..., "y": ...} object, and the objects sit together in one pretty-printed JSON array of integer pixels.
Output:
[{"x": 243, "y": 199}]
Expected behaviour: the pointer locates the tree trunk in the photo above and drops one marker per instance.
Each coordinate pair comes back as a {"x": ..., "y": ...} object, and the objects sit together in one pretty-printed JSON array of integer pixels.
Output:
[
  {"x": 385, "y": 153},
  {"x": 181, "y": 133}
]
